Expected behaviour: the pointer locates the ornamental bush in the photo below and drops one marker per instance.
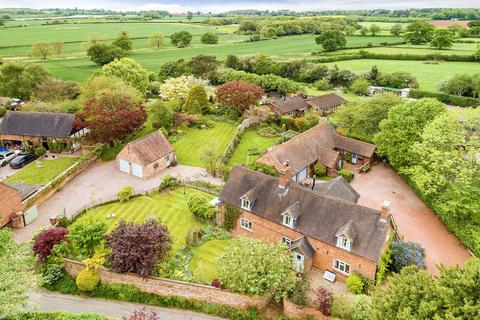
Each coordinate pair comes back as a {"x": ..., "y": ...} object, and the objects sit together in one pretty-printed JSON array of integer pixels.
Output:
[
  {"x": 323, "y": 300},
  {"x": 355, "y": 284},
  {"x": 199, "y": 206},
  {"x": 87, "y": 236},
  {"x": 360, "y": 87},
  {"x": 320, "y": 170},
  {"x": 406, "y": 253},
  {"x": 230, "y": 217},
  {"x": 87, "y": 279},
  {"x": 197, "y": 100},
  {"x": 40, "y": 151},
  {"x": 346, "y": 174},
  {"x": 44, "y": 241},
  {"x": 125, "y": 194}
]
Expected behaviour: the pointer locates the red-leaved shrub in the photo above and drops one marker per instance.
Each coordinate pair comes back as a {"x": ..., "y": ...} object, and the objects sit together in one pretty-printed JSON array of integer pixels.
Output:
[
  {"x": 323, "y": 300},
  {"x": 142, "y": 314},
  {"x": 239, "y": 95},
  {"x": 45, "y": 241}
]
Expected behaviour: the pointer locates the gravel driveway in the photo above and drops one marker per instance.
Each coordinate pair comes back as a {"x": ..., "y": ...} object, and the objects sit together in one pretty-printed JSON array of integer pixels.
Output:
[
  {"x": 415, "y": 220},
  {"x": 97, "y": 184}
]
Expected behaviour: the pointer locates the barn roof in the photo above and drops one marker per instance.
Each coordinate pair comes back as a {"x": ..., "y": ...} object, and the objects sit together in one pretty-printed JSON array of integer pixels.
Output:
[
  {"x": 37, "y": 124},
  {"x": 325, "y": 101}
]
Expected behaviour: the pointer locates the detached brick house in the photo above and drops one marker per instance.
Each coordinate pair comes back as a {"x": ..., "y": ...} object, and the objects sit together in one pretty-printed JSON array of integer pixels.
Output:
[
  {"x": 323, "y": 231},
  {"x": 321, "y": 144},
  {"x": 297, "y": 105},
  {"x": 146, "y": 156}
]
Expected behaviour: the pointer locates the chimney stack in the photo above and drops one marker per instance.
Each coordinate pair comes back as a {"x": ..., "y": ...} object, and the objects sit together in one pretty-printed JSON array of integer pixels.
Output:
[
  {"x": 285, "y": 175},
  {"x": 385, "y": 211}
]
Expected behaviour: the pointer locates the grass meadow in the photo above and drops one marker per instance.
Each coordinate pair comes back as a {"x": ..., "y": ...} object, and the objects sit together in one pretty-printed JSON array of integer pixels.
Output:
[
  {"x": 428, "y": 75},
  {"x": 192, "y": 143},
  {"x": 251, "y": 140}
]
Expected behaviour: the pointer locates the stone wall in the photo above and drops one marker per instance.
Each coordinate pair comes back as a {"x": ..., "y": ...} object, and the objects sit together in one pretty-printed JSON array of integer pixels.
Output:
[
  {"x": 292, "y": 310},
  {"x": 168, "y": 287}
]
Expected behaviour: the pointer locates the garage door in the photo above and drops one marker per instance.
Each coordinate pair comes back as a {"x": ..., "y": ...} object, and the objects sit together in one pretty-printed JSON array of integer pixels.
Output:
[
  {"x": 124, "y": 166},
  {"x": 302, "y": 175},
  {"x": 137, "y": 170}
]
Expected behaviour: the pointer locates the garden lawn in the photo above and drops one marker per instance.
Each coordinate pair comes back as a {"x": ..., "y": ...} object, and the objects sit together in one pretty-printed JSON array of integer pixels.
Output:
[
  {"x": 31, "y": 174},
  {"x": 251, "y": 140},
  {"x": 170, "y": 207},
  {"x": 204, "y": 261},
  {"x": 428, "y": 75},
  {"x": 191, "y": 144}
]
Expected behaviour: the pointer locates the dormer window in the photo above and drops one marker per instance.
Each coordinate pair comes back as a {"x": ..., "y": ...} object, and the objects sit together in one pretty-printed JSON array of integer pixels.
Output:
[
  {"x": 288, "y": 221},
  {"x": 247, "y": 205},
  {"x": 346, "y": 235},
  {"x": 344, "y": 242}
]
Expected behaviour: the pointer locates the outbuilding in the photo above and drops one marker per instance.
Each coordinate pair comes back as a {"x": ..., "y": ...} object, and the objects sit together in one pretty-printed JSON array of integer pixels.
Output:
[{"x": 146, "y": 156}]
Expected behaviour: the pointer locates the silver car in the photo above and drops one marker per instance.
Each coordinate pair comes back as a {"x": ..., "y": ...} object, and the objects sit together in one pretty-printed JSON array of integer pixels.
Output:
[{"x": 7, "y": 156}]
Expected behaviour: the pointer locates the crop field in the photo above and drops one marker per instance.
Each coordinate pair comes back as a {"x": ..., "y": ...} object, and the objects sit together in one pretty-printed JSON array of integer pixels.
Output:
[
  {"x": 79, "y": 69},
  {"x": 457, "y": 48},
  {"x": 428, "y": 75}
]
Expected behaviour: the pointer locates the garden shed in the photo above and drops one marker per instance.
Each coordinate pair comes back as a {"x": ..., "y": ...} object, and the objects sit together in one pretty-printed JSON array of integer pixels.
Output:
[{"x": 146, "y": 156}]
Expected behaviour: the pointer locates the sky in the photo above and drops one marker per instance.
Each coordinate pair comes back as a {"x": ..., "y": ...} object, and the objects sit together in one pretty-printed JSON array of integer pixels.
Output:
[{"x": 222, "y": 5}]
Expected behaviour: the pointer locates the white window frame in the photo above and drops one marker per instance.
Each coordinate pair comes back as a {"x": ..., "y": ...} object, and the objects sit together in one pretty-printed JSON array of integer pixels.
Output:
[
  {"x": 288, "y": 221},
  {"x": 245, "y": 204},
  {"x": 287, "y": 240},
  {"x": 344, "y": 242},
  {"x": 338, "y": 265},
  {"x": 246, "y": 224}
]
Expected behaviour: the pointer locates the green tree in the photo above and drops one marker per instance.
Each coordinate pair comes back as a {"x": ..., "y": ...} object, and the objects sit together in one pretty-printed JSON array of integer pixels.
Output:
[
  {"x": 361, "y": 118},
  {"x": 331, "y": 40},
  {"x": 419, "y": 32},
  {"x": 189, "y": 15},
  {"x": 18, "y": 80},
  {"x": 403, "y": 127},
  {"x": 268, "y": 32},
  {"x": 93, "y": 39},
  {"x": 197, "y": 100},
  {"x": 57, "y": 47},
  {"x": 41, "y": 49},
  {"x": 99, "y": 85},
  {"x": 360, "y": 86},
  {"x": 349, "y": 30},
  {"x": 87, "y": 236},
  {"x": 124, "y": 42},
  {"x": 210, "y": 158},
  {"x": 396, "y": 29},
  {"x": 162, "y": 116},
  {"x": 442, "y": 38},
  {"x": 130, "y": 71},
  {"x": 156, "y": 39},
  {"x": 409, "y": 295},
  {"x": 209, "y": 38},
  {"x": 17, "y": 266},
  {"x": 102, "y": 54},
  {"x": 456, "y": 29},
  {"x": 364, "y": 31},
  {"x": 374, "y": 29},
  {"x": 174, "y": 69},
  {"x": 256, "y": 267},
  {"x": 203, "y": 66},
  {"x": 181, "y": 39}
]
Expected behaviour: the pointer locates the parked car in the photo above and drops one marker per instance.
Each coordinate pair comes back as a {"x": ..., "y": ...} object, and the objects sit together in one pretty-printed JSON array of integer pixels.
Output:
[
  {"x": 22, "y": 160},
  {"x": 7, "y": 156}
]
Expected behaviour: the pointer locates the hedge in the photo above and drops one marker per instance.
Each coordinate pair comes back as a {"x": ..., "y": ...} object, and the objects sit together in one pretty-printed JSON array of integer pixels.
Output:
[
  {"x": 362, "y": 54},
  {"x": 446, "y": 98}
]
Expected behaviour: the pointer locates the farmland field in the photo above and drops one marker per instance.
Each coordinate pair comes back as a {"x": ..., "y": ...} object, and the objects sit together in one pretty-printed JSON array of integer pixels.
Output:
[
  {"x": 457, "y": 48},
  {"x": 79, "y": 69},
  {"x": 428, "y": 75}
]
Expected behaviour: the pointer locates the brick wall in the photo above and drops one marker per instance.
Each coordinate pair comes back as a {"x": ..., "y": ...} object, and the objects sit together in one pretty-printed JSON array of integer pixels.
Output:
[
  {"x": 324, "y": 253},
  {"x": 10, "y": 201},
  {"x": 167, "y": 287}
]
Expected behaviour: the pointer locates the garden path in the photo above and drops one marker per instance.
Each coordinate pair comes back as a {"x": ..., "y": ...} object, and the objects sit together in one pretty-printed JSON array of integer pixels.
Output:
[
  {"x": 97, "y": 184},
  {"x": 45, "y": 302}
]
